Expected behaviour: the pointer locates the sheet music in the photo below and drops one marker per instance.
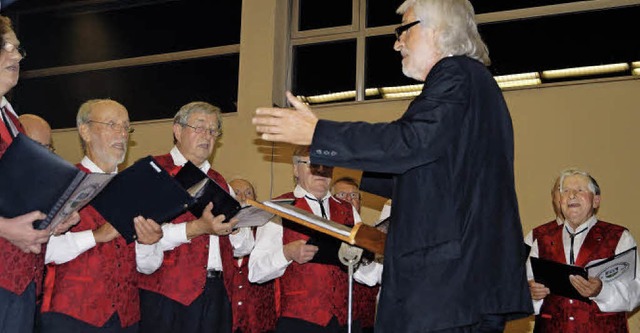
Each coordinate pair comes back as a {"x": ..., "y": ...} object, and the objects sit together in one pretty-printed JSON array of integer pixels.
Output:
[
  {"x": 619, "y": 267},
  {"x": 310, "y": 217}
]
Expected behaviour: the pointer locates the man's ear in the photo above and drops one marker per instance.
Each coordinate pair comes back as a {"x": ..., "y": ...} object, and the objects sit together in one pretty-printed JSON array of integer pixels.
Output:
[
  {"x": 596, "y": 201},
  {"x": 83, "y": 130},
  {"x": 177, "y": 131}
]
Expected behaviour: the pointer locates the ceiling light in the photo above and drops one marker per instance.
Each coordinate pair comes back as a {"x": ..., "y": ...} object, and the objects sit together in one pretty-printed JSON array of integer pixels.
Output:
[
  {"x": 585, "y": 71},
  {"x": 515, "y": 77}
]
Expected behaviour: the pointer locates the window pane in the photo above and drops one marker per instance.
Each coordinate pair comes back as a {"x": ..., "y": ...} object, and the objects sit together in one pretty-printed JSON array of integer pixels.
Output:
[
  {"x": 383, "y": 65},
  {"x": 58, "y": 38},
  {"x": 316, "y": 14},
  {"x": 585, "y": 39},
  {"x": 484, "y": 6},
  {"x": 148, "y": 92},
  {"x": 383, "y": 12},
  {"x": 325, "y": 68}
]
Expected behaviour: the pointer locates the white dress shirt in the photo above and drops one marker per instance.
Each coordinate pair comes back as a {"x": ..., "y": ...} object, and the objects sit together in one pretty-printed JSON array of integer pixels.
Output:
[
  {"x": 176, "y": 234},
  {"x": 267, "y": 260},
  {"x": 68, "y": 246},
  {"x": 616, "y": 296}
]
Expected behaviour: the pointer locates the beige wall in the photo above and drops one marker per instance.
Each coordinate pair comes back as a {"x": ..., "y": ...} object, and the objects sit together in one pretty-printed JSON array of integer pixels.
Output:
[{"x": 591, "y": 126}]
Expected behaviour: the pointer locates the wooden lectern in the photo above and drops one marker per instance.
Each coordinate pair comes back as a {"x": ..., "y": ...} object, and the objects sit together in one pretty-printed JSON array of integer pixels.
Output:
[{"x": 361, "y": 235}]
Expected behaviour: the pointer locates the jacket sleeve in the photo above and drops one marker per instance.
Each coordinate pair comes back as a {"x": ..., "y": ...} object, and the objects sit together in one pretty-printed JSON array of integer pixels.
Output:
[{"x": 422, "y": 135}]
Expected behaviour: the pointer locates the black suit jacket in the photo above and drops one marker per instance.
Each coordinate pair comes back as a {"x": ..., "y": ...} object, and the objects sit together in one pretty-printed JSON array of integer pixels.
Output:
[{"x": 454, "y": 249}]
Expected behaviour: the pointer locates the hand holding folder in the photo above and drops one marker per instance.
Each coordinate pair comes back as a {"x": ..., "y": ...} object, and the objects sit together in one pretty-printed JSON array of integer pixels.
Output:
[
  {"x": 555, "y": 275},
  {"x": 205, "y": 190},
  {"x": 35, "y": 179},
  {"x": 143, "y": 189}
]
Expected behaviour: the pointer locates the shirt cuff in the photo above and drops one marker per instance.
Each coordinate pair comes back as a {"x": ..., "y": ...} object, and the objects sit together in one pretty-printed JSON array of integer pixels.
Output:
[
  {"x": 84, "y": 240},
  {"x": 173, "y": 235}
]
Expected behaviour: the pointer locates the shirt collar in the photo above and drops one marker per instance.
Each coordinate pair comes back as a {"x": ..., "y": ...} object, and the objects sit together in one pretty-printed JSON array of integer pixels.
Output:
[
  {"x": 88, "y": 163},
  {"x": 5, "y": 104},
  {"x": 180, "y": 160},
  {"x": 299, "y": 192},
  {"x": 559, "y": 220},
  {"x": 587, "y": 225}
]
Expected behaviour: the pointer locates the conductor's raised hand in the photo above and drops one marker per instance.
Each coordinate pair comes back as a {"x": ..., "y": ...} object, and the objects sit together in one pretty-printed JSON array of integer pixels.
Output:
[
  {"x": 287, "y": 125},
  {"x": 20, "y": 232},
  {"x": 299, "y": 251}
]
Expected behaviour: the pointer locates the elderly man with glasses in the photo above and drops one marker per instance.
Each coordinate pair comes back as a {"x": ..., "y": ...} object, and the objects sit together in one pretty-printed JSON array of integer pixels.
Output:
[
  {"x": 189, "y": 293},
  {"x": 312, "y": 282},
  {"x": 21, "y": 266},
  {"x": 454, "y": 252},
  {"x": 92, "y": 278}
]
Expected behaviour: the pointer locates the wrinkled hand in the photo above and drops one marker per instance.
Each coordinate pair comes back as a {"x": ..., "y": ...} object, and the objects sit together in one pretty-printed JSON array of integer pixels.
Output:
[
  {"x": 538, "y": 290},
  {"x": 210, "y": 225},
  {"x": 148, "y": 231},
  {"x": 586, "y": 288},
  {"x": 286, "y": 125},
  {"x": 20, "y": 232},
  {"x": 105, "y": 233},
  {"x": 299, "y": 251},
  {"x": 71, "y": 220}
]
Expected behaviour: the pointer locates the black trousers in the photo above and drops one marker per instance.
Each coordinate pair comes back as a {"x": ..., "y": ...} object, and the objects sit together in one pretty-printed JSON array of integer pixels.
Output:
[
  {"x": 210, "y": 312},
  {"x": 18, "y": 312},
  {"x": 53, "y": 322},
  {"x": 294, "y": 325}
]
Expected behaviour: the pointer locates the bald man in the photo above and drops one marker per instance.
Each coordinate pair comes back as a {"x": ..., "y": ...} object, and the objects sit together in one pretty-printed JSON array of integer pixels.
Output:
[{"x": 37, "y": 128}]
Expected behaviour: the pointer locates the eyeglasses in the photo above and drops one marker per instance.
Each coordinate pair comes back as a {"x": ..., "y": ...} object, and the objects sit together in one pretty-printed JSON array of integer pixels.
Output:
[
  {"x": 401, "y": 29},
  {"x": 346, "y": 195},
  {"x": 10, "y": 47},
  {"x": 115, "y": 126},
  {"x": 314, "y": 166},
  {"x": 201, "y": 129}
]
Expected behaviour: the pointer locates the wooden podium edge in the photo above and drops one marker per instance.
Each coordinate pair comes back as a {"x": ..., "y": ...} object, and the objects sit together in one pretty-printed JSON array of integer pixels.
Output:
[{"x": 361, "y": 235}]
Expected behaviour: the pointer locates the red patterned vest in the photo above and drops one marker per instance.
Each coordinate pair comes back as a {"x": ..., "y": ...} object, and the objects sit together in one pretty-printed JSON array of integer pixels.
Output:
[
  {"x": 560, "y": 314},
  {"x": 183, "y": 273},
  {"x": 99, "y": 282},
  {"x": 18, "y": 269},
  {"x": 253, "y": 305},
  {"x": 364, "y": 304},
  {"x": 315, "y": 292}
]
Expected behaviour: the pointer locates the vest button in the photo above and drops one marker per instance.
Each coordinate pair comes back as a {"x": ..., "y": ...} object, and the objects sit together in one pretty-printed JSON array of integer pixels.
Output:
[
  {"x": 570, "y": 301},
  {"x": 571, "y": 318},
  {"x": 240, "y": 303},
  {"x": 240, "y": 287}
]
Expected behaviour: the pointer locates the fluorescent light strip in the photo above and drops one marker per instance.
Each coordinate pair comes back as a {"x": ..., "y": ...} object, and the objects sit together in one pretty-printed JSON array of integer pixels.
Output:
[
  {"x": 585, "y": 71},
  {"x": 401, "y": 89},
  {"x": 372, "y": 92},
  {"x": 400, "y": 94},
  {"x": 519, "y": 83},
  {"x": 337, "y": 96},
  {"x": 515, "y": 77},
  {"x": 636, "y": 71},
  {"x": 635, "y": 64}
]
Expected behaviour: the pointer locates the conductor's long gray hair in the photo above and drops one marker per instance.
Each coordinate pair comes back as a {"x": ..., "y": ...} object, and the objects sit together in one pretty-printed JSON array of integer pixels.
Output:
[{"x": 456, "y": 24}]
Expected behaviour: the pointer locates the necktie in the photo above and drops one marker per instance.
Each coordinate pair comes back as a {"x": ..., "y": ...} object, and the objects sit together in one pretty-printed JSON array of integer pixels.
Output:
[
  {"x": 322, "y": 211},
  {"x": 572, "y": 236},
  {"x": 5, "y": 128}
]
